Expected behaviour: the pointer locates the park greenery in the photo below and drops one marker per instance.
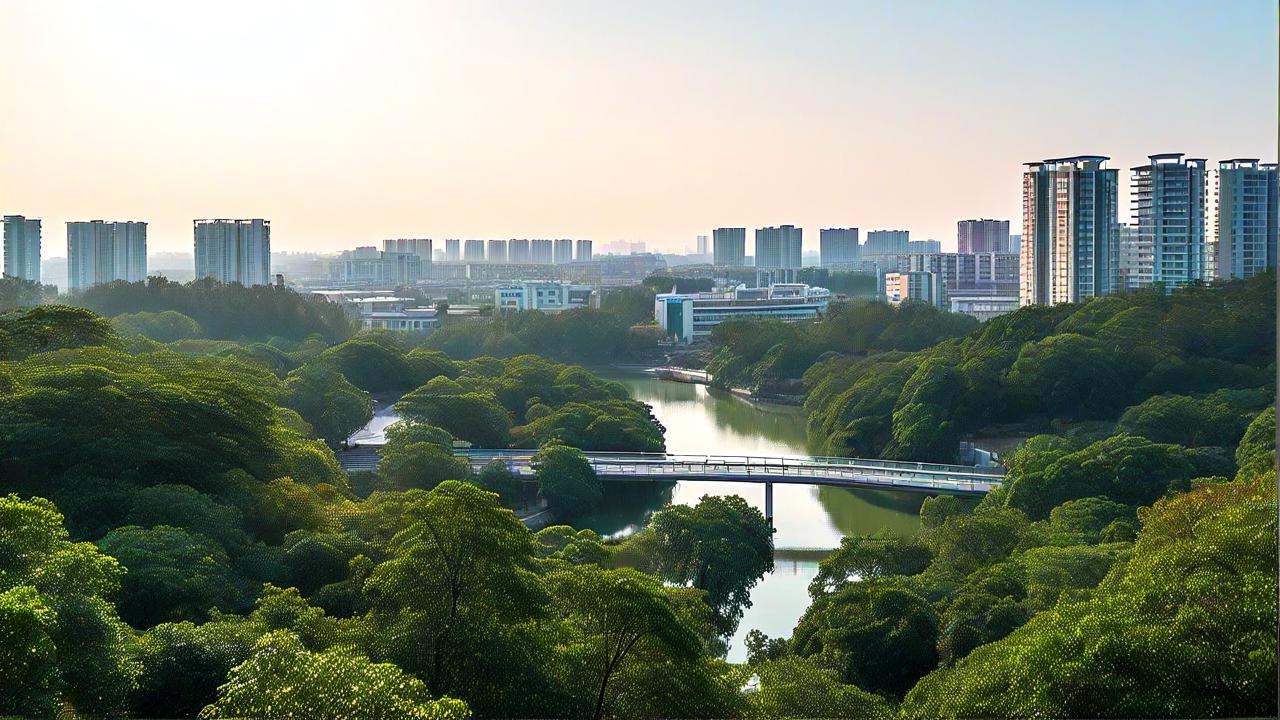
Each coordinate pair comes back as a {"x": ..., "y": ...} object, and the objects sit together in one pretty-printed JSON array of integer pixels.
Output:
[
  {"x": 1190, "y": 366},
  {"x": 177, "y": 538},
  {"x": 584, "y": 335},
  {"x": 771, "y": 357},
  {"x": 19, "y": 292},
  {"x": 219, "y": 311}
]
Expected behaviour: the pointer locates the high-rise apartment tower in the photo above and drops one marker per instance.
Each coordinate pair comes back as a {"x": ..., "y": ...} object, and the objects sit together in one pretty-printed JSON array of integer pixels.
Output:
[
  {"x": 234, "y": 250},
  {"x": 1069, "y": 246}
]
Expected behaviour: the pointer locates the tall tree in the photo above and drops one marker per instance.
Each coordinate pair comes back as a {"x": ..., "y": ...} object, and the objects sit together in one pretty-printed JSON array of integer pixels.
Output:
[
  {"x": 60, "y": 640},
  {"x": 614, "y": 618},
  {"x": 567, "y": 480},
  {"x": 463, "y": 571},
  {"x": 283, "y": 680},
  {"x": 721, "y": 545}
]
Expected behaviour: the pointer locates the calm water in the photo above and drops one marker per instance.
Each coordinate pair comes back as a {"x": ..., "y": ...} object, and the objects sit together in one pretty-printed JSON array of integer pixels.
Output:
[{"x": 809, "y": 519}]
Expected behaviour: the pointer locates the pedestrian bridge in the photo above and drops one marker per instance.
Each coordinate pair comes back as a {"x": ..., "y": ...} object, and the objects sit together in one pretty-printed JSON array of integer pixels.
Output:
[
  {"x": 766, "y": 470},
  {"x": 835, "y": 471}
]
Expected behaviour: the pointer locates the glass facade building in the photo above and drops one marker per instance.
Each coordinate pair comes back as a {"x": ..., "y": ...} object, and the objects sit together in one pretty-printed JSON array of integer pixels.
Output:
[
  {"x": 1244, "y": 206},
  {"x": 729, "y": 247},
  {"x": 234, "y": 250},
  {"x": 100, "y": 252},
  {"x": 1069, "y": 245},
  {"x": 838, "y": 246},
  {"x": 779, "y": 248},
  {"x": 22, "y": 247},
  {"x": 982, "y": 236},
  {"x": 1168, "y": 212}
]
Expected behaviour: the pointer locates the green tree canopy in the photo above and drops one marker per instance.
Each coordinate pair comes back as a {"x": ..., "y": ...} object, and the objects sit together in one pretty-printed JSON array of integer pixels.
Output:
[
  {"x": 165, "y": 326},
  {"x": 171, "y": 574},
  {"x": 462, "y": 576},
  {"x": 42, "y": 328},
  {"x": 419, "y": 465},
  {"x": 613, "y": 618},
  {"x": 877, "y": 635},
  {"x": 722, "y": 545},
  {"x": 283, "y": 680},
  {"x": 60, "y": 640},
  {"x": 567, "y": 480},
  {"x": 322, "y": 396},
  {"x": 795, "y": 687}
]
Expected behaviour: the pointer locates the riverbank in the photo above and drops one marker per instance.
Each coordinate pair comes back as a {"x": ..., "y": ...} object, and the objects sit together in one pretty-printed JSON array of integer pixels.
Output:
[
  {"x": 692, "y": 376},
  {"x": 810, "y": 521}
]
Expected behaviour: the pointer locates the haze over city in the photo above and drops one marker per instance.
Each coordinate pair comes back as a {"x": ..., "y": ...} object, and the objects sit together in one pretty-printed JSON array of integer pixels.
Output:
[{"x": 345, "y": 123}]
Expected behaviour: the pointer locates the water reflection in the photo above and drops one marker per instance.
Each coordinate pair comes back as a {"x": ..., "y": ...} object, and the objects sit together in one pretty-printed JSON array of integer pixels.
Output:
[
  {"x": 703, "y": 420},
  {"x": 810, "y": 520}
]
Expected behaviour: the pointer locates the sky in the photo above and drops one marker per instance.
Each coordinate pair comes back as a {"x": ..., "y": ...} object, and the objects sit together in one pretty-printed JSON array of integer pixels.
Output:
[{"x": 348, "y": 122}]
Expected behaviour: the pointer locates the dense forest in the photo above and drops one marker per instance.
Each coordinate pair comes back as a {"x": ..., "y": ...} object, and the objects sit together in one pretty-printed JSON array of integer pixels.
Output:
[
  {"x": 221, "y": 311},
  {"x": 1157, "y": 363},
  {"x": 770, "y": 357},
  {"x": 178, "y": 539}
]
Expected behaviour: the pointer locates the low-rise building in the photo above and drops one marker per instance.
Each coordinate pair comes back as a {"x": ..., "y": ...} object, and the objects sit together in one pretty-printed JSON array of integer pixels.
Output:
[
  {"x": 917, "y": 286},
  {"x": 383, "y": 312},
  {"x": 412, "y": 320},
  {"x": 544, "y": 296},
  {"x": 983, "y": 306},
  {"x": 686, "y": 317}
]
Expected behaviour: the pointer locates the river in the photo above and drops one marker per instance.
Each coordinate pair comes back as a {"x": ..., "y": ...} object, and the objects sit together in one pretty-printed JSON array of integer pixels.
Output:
[{"x": 810, "y": 520}]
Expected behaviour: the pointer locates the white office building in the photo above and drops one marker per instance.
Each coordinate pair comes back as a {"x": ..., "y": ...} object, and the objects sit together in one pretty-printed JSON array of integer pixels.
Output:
[
  {"x": 473, "y": 251},
  {"x": 496, "y": 251},
  {"x": 518, "y": 251},
  {"x": 549, "y": 297},
  {"x": 914, "y": 286},
  {"x": 413, "y": 246},
  {"x": 234, "y": 251},
  {"x": 582, "y": 250},
  {"x": 100, "y": 252},
  {"x": 367, "y": 266},
  {"x": 686, "y": 317},
  {"x": 1136, "y": 257},
  {"x": 417, "y": 320},
  {"x": 563, "y": 251},
  {"x": 541, "y": 252}
]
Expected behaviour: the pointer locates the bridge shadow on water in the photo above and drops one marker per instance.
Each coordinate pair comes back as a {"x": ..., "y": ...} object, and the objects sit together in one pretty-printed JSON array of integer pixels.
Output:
[
  {"x": 852, "y": 511},
  {"x": 627, "y": 507}
]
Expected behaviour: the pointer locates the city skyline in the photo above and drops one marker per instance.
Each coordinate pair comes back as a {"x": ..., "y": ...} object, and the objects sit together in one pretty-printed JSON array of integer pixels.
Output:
[{"x": 393, "y": 138}]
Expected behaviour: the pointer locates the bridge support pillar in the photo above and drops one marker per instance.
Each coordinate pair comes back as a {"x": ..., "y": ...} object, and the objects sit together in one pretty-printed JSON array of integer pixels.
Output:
[{"x": 768, "y": 503}]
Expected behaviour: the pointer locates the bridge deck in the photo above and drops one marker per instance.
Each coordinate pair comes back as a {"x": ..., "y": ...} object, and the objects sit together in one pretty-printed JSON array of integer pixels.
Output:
[
  {"x": 840, "y": 472},
  {"x": 661, "y": 467}
]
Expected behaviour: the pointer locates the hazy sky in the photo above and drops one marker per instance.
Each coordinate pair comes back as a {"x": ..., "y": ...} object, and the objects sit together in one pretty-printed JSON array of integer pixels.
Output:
[{"x": 345, "y": 123}]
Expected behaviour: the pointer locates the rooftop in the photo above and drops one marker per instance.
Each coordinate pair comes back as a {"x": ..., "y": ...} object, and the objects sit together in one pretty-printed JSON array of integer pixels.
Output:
[{"x": 1071, "y": 159}]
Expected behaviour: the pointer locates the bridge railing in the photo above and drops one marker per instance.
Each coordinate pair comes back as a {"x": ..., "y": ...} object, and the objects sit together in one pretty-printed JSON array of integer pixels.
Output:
[
  {"x": 771, "y": 461},
  {"x": 885, "y": 477}
]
